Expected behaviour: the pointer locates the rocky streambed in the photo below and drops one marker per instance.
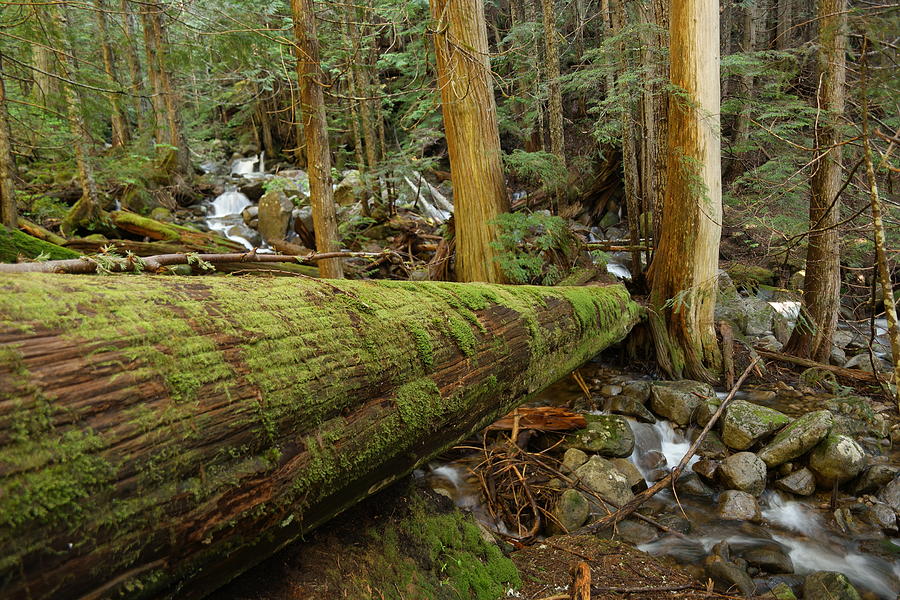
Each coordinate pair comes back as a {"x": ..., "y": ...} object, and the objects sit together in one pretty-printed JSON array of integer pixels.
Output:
[{"x": 789, "y": 496}]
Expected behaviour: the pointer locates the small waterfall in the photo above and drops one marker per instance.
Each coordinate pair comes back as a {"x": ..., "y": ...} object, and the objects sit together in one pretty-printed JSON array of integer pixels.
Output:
[
  {"x": 225, "y": 216},
  {"x": 619, "y": 270},
  {"x": 231, "y": 202},
  {"x": 241, "y": 167}
]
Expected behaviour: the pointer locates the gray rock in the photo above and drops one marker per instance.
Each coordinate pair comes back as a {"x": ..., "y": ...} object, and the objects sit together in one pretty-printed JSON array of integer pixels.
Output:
[
  {"x": 601, "y": 476},
  {"x": 745, "y": 424},
  {"x": 735, "y": 505},
  {"x": 677, "y": 400},
  {"x": 728, "y": 577},
  {"x": 636, "y": 532},
  {"x": 801, "y": 482},
  {"x": 890, "y": 495},
  {"x": 712, "y": 447},
  {"x": 828, "y": 585},
  {"x": 607, "y": 435},
  {"x": 881, "y": 516},
  {"x": 572, "y": 459},
  {"x": 769, "y": 558},
  {"x": 630, "y": 407},
  {"x": 570, "y": 513},
  {"x": 349, "y": 190},
  {"x": 610, "y": 389},
  {"x": 836, "y": 459},
  {"x": 690, "y": 484},
  {"x": 631, "y": 472},
  {"x": 864, "y": 363},
  {"x": 274, "y": 215},
  {"x": 797, "y": 439},
  {"x": 706, "y": 410},
  {"x": 873, "y": 478},
  {"x": 743, "y": 471},
  {"x": 637, "y": 390},
  {"x": 706, "y": 469},
  {"x": 676, "y": 522},
  {"x": 251, "y": 216}
]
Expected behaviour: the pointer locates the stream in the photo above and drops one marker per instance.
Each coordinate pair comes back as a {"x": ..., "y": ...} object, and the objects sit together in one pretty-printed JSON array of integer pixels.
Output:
[{"x": 802, "y": 528}]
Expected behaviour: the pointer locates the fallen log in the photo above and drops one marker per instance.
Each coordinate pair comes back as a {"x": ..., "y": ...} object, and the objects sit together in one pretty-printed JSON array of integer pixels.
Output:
[
  {"x": 159, "y": 435},
  {"x": 169, "y": 232},
  {"x": 15, "y": 244}
]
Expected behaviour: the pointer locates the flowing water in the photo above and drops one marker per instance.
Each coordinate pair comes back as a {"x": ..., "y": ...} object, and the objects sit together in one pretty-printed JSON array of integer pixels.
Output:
[{"x": 225, "y": 216}]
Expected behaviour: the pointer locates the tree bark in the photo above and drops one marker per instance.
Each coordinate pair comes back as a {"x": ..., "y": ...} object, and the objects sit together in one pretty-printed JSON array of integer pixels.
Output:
[
  {"x": 118, "y": 122},
  {"x": 783, "y": 22},
  {"x": 554, "y": 99},
  {"x": 752, "y": 14},
  {"x": 9, "y": 210},
  {"x": 318, "y": 153},
  {"x": 812, "y": 337},
  {"x": 473, "y": 139},
  {"x": 159, "y": 435},
  {"x": 134, "y": 65},
  {"x": 684, "y": 270}
]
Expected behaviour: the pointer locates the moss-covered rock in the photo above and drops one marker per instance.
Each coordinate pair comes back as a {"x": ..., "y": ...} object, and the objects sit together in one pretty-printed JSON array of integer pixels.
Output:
[
  {"x": 750, "y": 276},
  {"x": 836, "y": 459},
  {"x": 828, "y": 585},
  {"x": 746, "y": 423},
  {"x": 607, "y": 435},
  {"x": 15, "y": 244},
  {"x": 678, "y": 400},
  {"x": 797, "y": 438}
]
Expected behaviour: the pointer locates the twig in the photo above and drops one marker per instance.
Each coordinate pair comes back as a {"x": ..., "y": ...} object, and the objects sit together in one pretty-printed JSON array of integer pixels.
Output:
[{"x": 673, "y": 475}]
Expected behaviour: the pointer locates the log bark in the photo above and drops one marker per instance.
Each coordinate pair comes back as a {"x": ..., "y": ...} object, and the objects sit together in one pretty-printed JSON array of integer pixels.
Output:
[{"x": 159, "y": 435}]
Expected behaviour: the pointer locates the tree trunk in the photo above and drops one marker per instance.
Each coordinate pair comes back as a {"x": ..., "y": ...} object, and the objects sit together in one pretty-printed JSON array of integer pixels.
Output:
[
  {"x": 9, "y": 210},
  {"x": 160, "y": 435},
  {"x": 655, "y": 103},
  {"x": 134, "y": 66},
  {"x": 812, "y": 337},
  {"x": 752, "y": 14},
  {"x": 554, "y": 100},
  {"x": 783, "y": 22},
  {"x": 684, "y": 271},
  {"x": 118, "y": 122},
  {"x": 473, "y": 139},
  {"x": 318, "y": 153}
]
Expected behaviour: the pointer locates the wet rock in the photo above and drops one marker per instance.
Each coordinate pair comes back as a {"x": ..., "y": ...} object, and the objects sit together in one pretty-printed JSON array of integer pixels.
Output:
[
  {"x": 837, "y": 458},
  {"x": 570, "y": 513},
  {"x": 677, "y": 400},
  {"x": 890, "y": 495},
  {"x": 250, "y": 215},
  {"x": 349, "y": 190},
  {"x": 630, "y": 407},
  {"x": 881, "y": 516},
  {"x": 626, "y": 467},
  {"x": 675, "y": 522},
  {"x": 873, "y": 478},
  {"x": 801, "y": 482},
  {"x": 745, "y": 424},
  {"x": 274, "y": 215},
  {"x": 706, "y": 469},
  {"x": 601, "y": 476},
  {"x": 712, "y": 447},
  {"x": 572, "y": 459},
  {"x": 690, "y": 483},
  {"x": 728, "y": 577},
  {"x": 782, "y": 591},
  {"x": 637, "y": 390},
  {"x": 637, "y": 532},
  {"x": 743, "y": 471},
  {"x": 770, "y": 558},
  {"x": 797, "y": 438},
  {"x": 828, "y": 585},
  {"x": 607, "y": 435},
  {"x": 252, "y": 188},
  {"x": 610, "y": 390},
  {"x": 706, "y": 410},
  {"x": 735, "y": 505},
  {"x": 653, "y": 459}
]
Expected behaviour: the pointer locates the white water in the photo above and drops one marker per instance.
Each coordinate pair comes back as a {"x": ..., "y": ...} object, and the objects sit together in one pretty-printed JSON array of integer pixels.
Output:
[
  {"x": 226, "y": 216},
  {"x": 620, "y": 271},
  {"x": 232, "y": 202},
  {"x": 247, "y": 166},
  {"x": 663, "y": 438},
  {"x": 792, "y": 514}
]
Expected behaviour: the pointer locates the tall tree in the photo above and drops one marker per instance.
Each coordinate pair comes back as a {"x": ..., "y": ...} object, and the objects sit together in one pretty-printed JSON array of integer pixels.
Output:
[
  {"x": 118, "y": 122},
  {"x": 129, "y": 47},
  {"x": 9, "y": 213},
  {"x": 684, "y": 270},
  {"x": 473, "y": 139},
  {"x": 812, "y": 337},
  {"x": 318, "y": 154},
  {"x": 554, "y": 96}
]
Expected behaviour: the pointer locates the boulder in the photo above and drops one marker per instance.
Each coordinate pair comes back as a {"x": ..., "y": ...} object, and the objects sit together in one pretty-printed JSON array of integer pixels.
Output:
[
  {"x": 770, "y": 558},
  {"x": 797, "y": 439},
  {"x": 828, "y": 585},
  {"x": 623, "y": 405},
  {"x": 635, "y": 480},
  {"x": 873, "y": 478},
  {"x": 743, "y": 471},
  {"x": 602, "y": 477},
  {"x": 801, "y": 482},
  {"x": 735, "y": 505},
  {"x": 250, "y": 215},
  {"x": 636, "y": 532},
  {"x": 690, "y": 484},
  {"x": 782, "y": 591},
  {"x": 728, "y": 577},
  {"x": 706, "y": 410},
  {"x": 570, "y": 513},
  {"x": 572, "y": 459},
  {"x": 637, "y": 390},
  {"x": 677, "y": 400},
  {"x": 706, "y": 469},
  {"x": 744, "y": 424},
  {"x": 274, "y": 215},
  {"x": 349, "y": 190},
  {"x": 836, "y": 459},
  {"x": 712, "y": 447},
  {"x": 607, "y": 435},
  {"x": 890, "y": 495}
]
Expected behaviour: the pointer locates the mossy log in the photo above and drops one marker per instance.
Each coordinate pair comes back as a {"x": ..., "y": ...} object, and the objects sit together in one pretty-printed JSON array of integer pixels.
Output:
[
  {"x": 15, "y": 244},
  {"x": 168, "y": 232},
  {"x": 159, "y": 435}
]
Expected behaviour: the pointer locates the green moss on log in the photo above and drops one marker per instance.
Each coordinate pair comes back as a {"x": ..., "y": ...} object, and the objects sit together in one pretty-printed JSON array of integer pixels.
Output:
[{"x": 14, "y": 244}]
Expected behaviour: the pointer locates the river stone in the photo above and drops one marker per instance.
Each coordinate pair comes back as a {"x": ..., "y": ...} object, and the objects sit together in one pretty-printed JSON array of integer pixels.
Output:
[
  {"x": 607, "y": 435},
  {"x": 801, "y": 482},
  {"x": 837, "y": 458},
  {"x": 690, "y": 483},
  {"x": 601, "y": 476},
  {"x": 881, "y": 516},
  {"x": 627, "y": 468},
  {"x": 630, "y": 407},
  {"x": 735, "y": 505},
  {"x": 706, "y": 469},
  {"x": 570, "y": 513},
  {"x": 797, "y": 439},
  {"x": 676, "y": 522},
  {"x": 828, "y": 585},
  {"x": 728, "y": 576},
  {"x": 782, "y": 591},
  {"x": 349, "y": 190},
  {"x": 635, "y": 532},
  {"x": 874, "y": 478},
  {"x": 572, "y": 459},
  {"x": 743, "y": 471},
  {"x": 745, "y": 424},
  {"x": 706, "y": 410},
  {"x": 769, "y": 558},
  {"x": 637, "y": 390},
  {"x": 677, "y": 400},
  {"x": 250, "y": 215},
  {"x": 890, "y": 495},
  {"x": 274, "y": 215},
  {"x": 712, "y": 447}
]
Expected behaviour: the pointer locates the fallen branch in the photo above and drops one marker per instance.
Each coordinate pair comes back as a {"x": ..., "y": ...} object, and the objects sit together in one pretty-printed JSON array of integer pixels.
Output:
[
  {"x": 155, "y": 264},
  {"x": 856, "y": 374},
  {"x": 581, "y": 582},
  {"x": 633, "y": 504}
]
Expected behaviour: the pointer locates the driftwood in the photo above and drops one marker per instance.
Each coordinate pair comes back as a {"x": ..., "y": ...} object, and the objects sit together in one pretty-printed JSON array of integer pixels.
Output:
[
  {"x": 540, "y": 418},
  {"x": 160, "y": 435},
  {"x": 855, "y": 374}
]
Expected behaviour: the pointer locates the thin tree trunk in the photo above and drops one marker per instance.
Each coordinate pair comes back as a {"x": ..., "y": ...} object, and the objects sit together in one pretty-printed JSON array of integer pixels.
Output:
[
  {"x": 655, "y": 103},
  {"x": 783, "y": 22},
  {"x": 684, "y": 270},
  {"x": 118, "y": 122},
  {"x": 318, "y": 153},
  {"x": 138, "y": 93},
  {"x": 551, "y": 69},
  {"x": 9, "y": 212},
  {"x": 360, "y": 81},
  {"x": 752, "y": 15},
  {"x": 473, "y": 139},
  {"x": 812, "y": 337}
]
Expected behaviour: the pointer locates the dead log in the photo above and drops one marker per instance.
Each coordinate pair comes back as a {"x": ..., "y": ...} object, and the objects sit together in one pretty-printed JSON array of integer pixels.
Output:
[
  {"x": 160, "y": 435},
  {"x": 169, "y": 232}
]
